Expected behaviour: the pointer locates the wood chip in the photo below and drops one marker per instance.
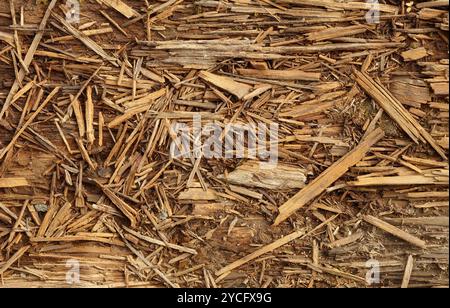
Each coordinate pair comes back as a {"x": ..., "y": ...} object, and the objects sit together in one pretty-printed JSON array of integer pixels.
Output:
[
  {"x": 333, "y": 173},
  {"x": 395, "y": 231}
]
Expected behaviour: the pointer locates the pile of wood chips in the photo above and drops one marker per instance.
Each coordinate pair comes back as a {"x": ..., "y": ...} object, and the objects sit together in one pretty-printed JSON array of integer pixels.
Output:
[{"x": 87, "y": 110}]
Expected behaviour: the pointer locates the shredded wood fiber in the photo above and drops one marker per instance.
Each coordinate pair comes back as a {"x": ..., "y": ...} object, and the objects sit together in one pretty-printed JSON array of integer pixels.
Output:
[{"x": 90, "y": 116}]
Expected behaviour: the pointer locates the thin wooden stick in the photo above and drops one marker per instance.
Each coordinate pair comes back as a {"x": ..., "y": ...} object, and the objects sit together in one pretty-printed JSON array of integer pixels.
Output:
[{"x": 395, "y": 231}]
